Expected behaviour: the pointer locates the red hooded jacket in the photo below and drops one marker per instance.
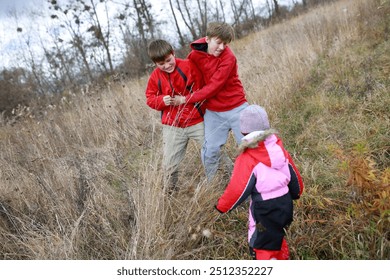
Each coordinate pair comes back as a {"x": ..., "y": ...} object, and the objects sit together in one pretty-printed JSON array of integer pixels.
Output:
[
  {"x": 182, "y": 81},
  {"x": 268, "y": 175},
  {"x": 223, "y": 90}
]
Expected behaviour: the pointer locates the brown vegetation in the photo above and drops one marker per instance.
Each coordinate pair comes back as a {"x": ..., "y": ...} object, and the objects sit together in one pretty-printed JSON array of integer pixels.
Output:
[{"x": 84, "y": 182}]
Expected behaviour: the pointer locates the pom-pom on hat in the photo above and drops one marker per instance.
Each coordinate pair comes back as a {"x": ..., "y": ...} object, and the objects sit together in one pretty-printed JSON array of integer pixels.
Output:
[{"x": 253, "y": 118}]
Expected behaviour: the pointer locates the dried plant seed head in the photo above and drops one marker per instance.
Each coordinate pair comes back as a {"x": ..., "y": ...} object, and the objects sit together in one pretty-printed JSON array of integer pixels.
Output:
[{"x": 207, "y": 233}]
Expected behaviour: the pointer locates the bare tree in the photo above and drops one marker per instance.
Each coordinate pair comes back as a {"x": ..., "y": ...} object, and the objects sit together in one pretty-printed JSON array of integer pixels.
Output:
[
  {"x": 186, "y": 16},
  {"x": 144, "y": 20},
  {"x": 252, "y": 9},
  {"x": 220, "y": 16},
  {"x": 202, "y": 24},
  {"x": 238, "y": 9},
  {"x": 26, "y": 57},
  {"x": 70, "y": 19},
  {"x": 17, "y": 88},
  {"x": 31, "y": 61},
  {"x": 102, "y": 35},
  {"x": 59, "y": 63},
  {"x": 181, "y": 37},
  {"x": 276, "y": 8},
  {"x": 87, "y": 27},
  {"x": 138, "y": 26},
  {"x": 195, "y": 18},
  {"x": 78, "y": 16}
]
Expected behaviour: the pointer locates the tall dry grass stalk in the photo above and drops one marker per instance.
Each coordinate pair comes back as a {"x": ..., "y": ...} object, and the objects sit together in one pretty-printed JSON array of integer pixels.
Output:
[
  {"x": 275, "y": 62},
  {"x": 84, "y": 182}
]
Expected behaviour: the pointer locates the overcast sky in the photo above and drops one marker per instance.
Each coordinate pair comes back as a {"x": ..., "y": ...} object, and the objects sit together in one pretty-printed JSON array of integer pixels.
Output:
[
  {"x": 18, "y": 5},
  {"x": 24, "y": 5},
  {"x": 23, "y": 9}
]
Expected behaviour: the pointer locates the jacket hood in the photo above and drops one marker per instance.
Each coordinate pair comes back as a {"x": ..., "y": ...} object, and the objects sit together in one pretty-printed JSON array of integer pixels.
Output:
[
  {"x": 265, "y": 147},
  {"x": 199, "y": 45}
]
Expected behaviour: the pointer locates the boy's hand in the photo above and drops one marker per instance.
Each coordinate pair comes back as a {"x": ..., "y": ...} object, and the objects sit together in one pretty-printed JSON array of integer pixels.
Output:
[
  {"x": 178, "y": 100},
  {"x": 167, "y": 100}
]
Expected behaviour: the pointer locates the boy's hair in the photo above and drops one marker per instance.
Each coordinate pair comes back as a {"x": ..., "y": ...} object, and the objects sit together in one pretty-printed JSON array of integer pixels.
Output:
[
  {"x": 159, "y": 49},
  {"x": 220, "y": 30}
]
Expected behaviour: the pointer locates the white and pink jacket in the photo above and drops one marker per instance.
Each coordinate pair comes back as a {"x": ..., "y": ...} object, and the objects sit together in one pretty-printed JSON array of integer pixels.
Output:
[{"x": 265, "y": 172}]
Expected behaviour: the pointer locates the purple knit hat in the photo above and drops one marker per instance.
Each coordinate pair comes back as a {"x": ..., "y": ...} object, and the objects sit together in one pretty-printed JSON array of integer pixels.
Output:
[{"x": 253, "y": 118}]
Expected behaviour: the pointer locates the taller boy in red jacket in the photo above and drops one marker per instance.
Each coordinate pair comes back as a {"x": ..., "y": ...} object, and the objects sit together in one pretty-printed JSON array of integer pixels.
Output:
[
  {"x": 266, "y": 172},
  {"x": 174, "y": 77},
  {"x": 223, "y": 91}
]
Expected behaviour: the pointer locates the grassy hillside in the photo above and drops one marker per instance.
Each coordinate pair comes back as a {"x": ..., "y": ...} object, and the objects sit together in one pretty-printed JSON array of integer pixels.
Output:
[{"x": 84, "y": 182}]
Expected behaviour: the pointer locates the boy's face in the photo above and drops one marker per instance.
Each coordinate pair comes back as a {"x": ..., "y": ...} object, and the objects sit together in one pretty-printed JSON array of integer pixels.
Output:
[
  {"x": 215, "y": 46},
  {"x": 168, "y": 64}
]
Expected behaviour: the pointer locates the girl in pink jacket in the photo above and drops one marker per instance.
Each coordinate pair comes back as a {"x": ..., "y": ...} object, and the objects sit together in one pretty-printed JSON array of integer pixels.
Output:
[{"x": 264, "y": 170}]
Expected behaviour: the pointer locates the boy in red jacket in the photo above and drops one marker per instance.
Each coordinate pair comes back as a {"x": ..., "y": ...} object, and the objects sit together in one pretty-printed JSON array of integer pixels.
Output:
[
  {"x": 223, "y": 91},
  {"x": 264, "y": 170},
  {"x": 174, "y": 77}
]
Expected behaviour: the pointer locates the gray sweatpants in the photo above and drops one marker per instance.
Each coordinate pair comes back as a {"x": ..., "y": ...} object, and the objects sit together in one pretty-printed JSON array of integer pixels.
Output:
[{"x": 217, "y": 127}]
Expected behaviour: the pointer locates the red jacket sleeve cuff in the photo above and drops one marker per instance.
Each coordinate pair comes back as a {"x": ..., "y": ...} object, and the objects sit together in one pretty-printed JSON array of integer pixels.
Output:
[{"x": 216, "y": 207}]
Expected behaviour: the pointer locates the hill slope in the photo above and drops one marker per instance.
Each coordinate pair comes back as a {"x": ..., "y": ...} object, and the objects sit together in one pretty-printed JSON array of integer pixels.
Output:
[{"x": 85, "y": 182}]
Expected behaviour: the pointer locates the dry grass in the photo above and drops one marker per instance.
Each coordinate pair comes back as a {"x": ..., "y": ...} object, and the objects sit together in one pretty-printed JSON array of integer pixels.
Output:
[{"x": 85, "y": 181}]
